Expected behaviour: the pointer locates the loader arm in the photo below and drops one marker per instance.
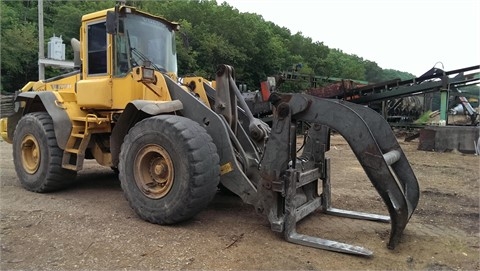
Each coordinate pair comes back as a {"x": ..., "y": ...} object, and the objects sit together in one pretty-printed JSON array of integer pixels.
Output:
[
  {"x": 287, "y": 185},
  {"x": 374, "y": 145}
]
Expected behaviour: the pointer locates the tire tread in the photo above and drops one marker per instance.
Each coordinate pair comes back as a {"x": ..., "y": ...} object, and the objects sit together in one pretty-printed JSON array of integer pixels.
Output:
[
  {"x": 56, "y": 177},
  {"x": 202, "y": 158}
]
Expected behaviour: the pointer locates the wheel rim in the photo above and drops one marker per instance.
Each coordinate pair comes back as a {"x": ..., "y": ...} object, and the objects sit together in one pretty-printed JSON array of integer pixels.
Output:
[
  {"x": 30, "y": 154},
  {"x": 153, "y": 171}
]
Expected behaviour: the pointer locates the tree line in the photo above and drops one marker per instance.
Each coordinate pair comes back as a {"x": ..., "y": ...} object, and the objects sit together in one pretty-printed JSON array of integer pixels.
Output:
[{"x": 211, "y": 33}]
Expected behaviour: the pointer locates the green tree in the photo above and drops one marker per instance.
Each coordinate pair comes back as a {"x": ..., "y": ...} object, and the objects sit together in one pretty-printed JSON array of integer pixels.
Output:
[
  {"x": 373, "y": 73},
  {"x": 19, "y": 46},
  {"x": 212, "y": 33}
]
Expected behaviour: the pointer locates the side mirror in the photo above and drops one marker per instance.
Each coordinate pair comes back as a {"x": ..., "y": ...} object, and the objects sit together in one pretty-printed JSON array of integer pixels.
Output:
[{"x": 112, "y": 19}]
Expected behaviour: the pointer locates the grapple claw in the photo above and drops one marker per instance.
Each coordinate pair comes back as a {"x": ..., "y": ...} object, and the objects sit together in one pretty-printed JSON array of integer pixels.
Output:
[{"x": 372, "y": 141}]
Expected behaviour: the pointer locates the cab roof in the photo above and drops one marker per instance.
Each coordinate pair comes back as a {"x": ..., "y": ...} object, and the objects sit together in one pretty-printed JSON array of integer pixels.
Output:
[{"x": 103, "y": 14}]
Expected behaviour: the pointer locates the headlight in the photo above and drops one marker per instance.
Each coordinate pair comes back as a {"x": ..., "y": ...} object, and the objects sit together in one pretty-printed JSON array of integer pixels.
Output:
[{"x": 148, "y": 75}]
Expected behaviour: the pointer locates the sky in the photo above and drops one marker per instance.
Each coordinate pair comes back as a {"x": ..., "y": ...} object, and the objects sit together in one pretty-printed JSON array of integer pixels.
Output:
[{"x": 410, "y": 36}]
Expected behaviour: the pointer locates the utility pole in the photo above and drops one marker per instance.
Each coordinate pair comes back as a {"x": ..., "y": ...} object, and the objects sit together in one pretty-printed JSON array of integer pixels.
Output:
[
  {"x": 41, "y": 47},
  {"x": 42, "y": 61}
]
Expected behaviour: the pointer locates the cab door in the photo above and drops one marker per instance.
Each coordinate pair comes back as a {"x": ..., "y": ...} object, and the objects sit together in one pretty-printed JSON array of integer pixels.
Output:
[
  {"x": 95, "y": 89},
  {"x": 124, "y": 89}
]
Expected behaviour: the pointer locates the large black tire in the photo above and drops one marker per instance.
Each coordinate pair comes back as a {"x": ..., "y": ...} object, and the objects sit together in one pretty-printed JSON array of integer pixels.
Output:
[
  {"x": 169, "y": 169},
  {"x": 36, "y": 155}
]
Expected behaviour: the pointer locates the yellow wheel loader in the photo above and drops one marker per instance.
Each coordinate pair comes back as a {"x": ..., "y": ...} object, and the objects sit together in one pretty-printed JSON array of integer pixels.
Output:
[{"x": 175, "y": 140}]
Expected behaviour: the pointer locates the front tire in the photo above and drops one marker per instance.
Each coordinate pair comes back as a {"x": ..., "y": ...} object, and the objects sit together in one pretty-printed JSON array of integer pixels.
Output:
[
  {"x": 169, "y": 169},
  {"x": 36, "y": 155}
]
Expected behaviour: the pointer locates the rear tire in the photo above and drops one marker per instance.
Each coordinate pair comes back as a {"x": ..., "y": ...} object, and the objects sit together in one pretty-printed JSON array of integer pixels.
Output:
[
  {"x": 36, "y": 155},
  {"x": 169, "y": 169}
]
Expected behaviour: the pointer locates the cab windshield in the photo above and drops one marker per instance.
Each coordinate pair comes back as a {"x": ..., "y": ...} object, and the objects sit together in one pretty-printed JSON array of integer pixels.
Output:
[{"x": 145, "y": 39}]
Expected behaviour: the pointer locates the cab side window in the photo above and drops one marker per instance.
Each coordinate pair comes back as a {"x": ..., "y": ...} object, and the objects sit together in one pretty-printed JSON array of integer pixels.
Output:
[
  {"x": 121, "y": 67},
  {"x": 97, "y": 48}
]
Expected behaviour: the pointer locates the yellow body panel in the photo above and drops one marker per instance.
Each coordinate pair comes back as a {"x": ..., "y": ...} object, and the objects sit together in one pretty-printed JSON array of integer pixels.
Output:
[
  {"x": 199, "y": 88},
  {"x": 3, "y": 130},
  {"x": 124, "y": 90},
  {"x": 28, "y": 86},
  {"x": 96, "y": 15},
  {"x": 65, "y": 84},
  {"x": 156, "y": 91},
  {"x": 95, "y": 93}
]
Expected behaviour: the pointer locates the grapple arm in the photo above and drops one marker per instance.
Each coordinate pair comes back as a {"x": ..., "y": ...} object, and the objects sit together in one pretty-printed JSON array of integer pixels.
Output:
[{"x": 374, "y": 145}]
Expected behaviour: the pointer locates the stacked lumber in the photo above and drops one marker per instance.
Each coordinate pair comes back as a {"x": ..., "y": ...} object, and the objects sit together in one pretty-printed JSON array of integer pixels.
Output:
[{"x": 6, "y": 105}]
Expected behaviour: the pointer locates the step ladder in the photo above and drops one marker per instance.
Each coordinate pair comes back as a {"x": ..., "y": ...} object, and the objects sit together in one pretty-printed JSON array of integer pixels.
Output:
[{"x": 82, "y": 130}]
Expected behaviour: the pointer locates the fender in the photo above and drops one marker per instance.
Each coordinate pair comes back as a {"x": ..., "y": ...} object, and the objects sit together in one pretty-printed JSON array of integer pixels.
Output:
[
  {"x": 134, "y": 112},
  {"x": 42, "y": 101}
]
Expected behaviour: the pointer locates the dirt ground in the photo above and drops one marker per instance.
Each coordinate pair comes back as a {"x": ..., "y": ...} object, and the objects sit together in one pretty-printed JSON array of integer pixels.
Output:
[{"x": 90, "y": 225}]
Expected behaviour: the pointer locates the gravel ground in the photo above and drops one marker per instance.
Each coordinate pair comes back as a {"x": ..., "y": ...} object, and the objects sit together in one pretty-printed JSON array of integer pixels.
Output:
[{"x": 90, "y": 226}]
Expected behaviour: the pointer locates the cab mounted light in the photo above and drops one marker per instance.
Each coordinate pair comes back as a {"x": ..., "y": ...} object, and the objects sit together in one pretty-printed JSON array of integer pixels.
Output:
[{"x": 148, "y": 75}]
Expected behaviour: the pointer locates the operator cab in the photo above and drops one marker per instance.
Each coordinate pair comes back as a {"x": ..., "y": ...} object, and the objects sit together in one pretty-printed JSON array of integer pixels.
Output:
[{"x": 115, "y": 41}]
